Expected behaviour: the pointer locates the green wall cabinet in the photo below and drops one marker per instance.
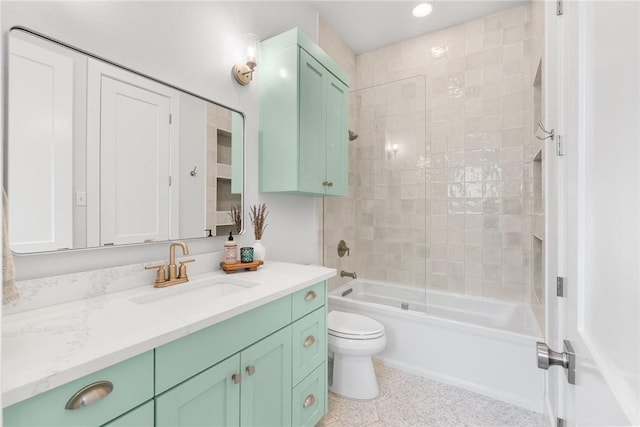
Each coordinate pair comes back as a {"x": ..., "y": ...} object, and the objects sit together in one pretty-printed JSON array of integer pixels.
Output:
[
  {"x": 265, "y": 367},
  {"x": 303, "y": 118}
]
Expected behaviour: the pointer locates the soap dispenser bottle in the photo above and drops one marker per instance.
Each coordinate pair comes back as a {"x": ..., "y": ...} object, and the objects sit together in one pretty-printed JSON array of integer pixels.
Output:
[{"x": 230, "y": 250}]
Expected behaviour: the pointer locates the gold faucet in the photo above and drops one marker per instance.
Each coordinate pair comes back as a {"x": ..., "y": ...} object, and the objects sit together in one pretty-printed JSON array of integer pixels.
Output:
[{"x": 176, "y": 274}]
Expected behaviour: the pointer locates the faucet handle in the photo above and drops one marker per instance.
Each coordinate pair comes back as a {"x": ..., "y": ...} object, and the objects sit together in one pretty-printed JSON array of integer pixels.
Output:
[
  {"x": 182, "y": 271},
  {"x": 160, "y": 275}
]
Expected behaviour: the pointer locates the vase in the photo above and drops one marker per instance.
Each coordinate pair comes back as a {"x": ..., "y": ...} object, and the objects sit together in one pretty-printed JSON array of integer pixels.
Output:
[{"x": 259, "y": 251}]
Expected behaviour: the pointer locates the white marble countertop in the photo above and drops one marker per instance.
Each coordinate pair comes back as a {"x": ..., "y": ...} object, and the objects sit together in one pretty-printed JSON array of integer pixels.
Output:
[{"x": 51, "y": 346}]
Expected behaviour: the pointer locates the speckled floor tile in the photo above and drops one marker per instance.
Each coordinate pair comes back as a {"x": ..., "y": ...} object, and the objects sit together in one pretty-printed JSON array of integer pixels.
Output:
[
  {"x": 396, "y": 412},
  {"x": 409, "y": 400}
]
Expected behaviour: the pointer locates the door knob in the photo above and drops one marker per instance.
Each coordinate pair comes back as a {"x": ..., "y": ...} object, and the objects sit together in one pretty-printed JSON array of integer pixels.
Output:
[{"x": 566, "y": 359}]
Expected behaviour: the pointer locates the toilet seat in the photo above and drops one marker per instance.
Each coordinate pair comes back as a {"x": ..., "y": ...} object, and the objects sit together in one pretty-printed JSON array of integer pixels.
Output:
[{"x": 353, "y": 326}]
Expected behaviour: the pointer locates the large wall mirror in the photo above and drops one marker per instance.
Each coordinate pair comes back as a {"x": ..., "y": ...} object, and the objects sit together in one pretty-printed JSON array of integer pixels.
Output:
[{"x": 98, "y": 155}]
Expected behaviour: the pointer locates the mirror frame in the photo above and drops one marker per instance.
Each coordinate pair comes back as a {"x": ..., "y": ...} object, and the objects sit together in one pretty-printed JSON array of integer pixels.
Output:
[{"x": 156, "y": 80}]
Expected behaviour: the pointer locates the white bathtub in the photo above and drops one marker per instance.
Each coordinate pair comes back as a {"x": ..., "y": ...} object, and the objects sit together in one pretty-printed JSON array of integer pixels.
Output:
[{"x": 481, "y": 344}]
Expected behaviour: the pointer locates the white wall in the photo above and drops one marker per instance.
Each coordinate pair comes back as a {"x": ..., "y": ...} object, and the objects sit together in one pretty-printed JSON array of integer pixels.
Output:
[{"x": 192, "y": 45}]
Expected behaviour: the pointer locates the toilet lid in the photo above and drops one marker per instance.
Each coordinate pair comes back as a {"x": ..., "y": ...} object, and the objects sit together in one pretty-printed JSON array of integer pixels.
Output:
[{"x": 351, "y": 325}]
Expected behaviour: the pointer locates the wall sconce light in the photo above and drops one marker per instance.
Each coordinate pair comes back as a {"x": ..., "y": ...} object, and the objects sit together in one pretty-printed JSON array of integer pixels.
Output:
[{"x": 244, "y": 72}]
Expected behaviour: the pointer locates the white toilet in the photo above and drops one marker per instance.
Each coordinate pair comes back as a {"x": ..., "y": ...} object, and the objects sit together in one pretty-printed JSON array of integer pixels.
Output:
[{"x": 353, "y": 339}]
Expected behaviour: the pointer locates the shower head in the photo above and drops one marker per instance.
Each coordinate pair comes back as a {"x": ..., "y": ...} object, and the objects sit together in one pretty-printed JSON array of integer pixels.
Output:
[{"x": 352, "y": 135}]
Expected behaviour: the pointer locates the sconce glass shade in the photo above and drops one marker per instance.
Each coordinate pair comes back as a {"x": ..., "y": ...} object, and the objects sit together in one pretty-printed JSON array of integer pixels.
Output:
[
  {"x": 243, "y": 73},
  {"x": 251, "y": 42}
]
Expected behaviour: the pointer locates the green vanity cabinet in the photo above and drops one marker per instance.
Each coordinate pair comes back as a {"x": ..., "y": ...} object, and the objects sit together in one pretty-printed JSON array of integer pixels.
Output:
[
  {"x": 302, "y": 118},
  {"x": 310, "y": 339},
  {"x": 309, "y": 395},
  {"x": 141, "y": 416},
  {"x": 185, "y": 357},
  {"x": 210, "y": 398},
  {"x": 132, "y": 385},
  {"x": 309, "y": 363},
  {"x": 266, "y": 366},
  {"x": 248, "y": 389},
  {"x": 265, "y": 389},
  {"x": 309, "y": 398}
]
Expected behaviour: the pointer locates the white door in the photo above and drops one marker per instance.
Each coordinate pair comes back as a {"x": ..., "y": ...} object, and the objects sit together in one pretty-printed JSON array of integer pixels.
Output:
[
  {"x": 40, "y": 129},
  {"x": 134, "y": 164},
  {"x": 597, "y": 76}
]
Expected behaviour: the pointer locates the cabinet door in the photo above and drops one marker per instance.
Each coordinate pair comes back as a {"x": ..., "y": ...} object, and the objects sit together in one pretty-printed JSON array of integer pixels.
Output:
[
  {"x": 337, "y": 156},
  {"x": 312, "y": 119},
  {"x": 211, "y": 398},
  {"x": 266, "y": 381}
]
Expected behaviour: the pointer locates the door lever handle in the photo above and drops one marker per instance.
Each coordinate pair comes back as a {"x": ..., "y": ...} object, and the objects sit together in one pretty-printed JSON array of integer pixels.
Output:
[{"x": 566, "y": 359}]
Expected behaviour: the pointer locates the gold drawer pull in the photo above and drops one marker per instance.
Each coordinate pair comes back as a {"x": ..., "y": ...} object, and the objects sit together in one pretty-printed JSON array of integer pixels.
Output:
[
  {"x": 310, "y": 400},
  {"x": 251, "y": 369},
  {"x": 309, "y": 296},
  {"x": 311, "y": 340},
  {"x": 236, "y": 378},
  {"x": 89, "y": 394}
]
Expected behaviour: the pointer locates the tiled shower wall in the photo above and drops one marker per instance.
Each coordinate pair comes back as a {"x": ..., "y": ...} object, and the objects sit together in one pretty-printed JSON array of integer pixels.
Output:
[{"x": 441, "y": 175}]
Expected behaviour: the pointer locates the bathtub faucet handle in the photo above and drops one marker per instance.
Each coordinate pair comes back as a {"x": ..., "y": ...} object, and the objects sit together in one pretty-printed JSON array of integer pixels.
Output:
[{"x": 343, "y": 249}]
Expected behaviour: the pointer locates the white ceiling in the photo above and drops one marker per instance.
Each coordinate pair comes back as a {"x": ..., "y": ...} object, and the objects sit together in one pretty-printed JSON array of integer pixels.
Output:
[{"x": 369, "y": 25}]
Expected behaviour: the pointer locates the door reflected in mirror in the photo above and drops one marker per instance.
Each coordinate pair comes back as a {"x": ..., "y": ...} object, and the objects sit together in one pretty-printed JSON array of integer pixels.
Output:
[{"x": 99, "y": 155}]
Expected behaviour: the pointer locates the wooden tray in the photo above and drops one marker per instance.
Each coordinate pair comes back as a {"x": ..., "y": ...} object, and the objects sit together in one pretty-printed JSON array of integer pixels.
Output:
[{"x": 238, "y": 266}]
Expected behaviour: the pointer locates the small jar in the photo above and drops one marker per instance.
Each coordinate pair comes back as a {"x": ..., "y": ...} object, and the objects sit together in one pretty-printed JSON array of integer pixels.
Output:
[{"x": 246, "y": 254}]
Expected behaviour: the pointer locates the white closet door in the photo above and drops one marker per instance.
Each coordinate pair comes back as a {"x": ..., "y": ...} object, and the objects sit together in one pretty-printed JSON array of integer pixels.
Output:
[
  {"x": 134, "y": 162},
  {"x": 596, "y": 67},
  {"x": 40, "y": 129}
]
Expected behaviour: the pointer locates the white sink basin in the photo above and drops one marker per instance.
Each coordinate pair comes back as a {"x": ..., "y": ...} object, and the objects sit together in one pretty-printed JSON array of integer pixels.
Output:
[{"x": 193, "y": 292}]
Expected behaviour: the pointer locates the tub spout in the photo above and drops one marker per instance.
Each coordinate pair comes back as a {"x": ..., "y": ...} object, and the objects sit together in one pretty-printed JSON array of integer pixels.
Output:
[{"x": 348, "y": 274}]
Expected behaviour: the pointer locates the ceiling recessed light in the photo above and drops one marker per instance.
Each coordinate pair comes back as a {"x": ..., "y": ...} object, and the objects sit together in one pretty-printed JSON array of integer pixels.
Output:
[{"x": 421, "y": 10}]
